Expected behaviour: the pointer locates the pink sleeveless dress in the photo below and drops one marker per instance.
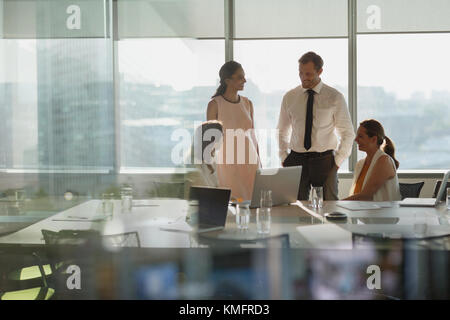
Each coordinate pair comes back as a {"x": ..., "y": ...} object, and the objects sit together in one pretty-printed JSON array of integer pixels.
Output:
[{"x": 237, "y": 174}]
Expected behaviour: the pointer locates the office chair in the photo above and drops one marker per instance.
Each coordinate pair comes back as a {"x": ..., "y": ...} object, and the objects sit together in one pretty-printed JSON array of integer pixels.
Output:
[
  {"x": 436, "y": 189},
  {"x": 36, "y": 292},
  {"x": 172, "y": 189},
  {"x": 89, "y": 238},
  {"x": 127, "y": 239},
  {"x": 411, "y": 190},
  {"x": 86, "y": 249}
]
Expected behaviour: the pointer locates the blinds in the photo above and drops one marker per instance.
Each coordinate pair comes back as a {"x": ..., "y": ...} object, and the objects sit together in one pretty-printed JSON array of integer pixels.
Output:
[
  {"x": 170, "y": 18},
  {"x": 28, "y": 19},
  {"x": 403, "y": 16},
  {"x": 290, "y": 18}
]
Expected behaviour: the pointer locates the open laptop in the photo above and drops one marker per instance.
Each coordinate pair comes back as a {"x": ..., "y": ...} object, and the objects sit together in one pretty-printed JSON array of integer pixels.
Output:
[
  {"x": 427, "y": 202},
  {"x": 212, "y": 208},
  {"x": 284, "y": 183},
  {"x": 208, "y": 208}
]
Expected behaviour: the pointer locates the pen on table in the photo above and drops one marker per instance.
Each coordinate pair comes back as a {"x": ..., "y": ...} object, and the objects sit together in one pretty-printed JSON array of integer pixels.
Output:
[{"x": 73, "y": 217}]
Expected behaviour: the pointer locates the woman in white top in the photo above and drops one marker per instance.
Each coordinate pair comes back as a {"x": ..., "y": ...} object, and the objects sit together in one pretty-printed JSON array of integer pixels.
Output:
[
  {"x": 375, "y": 176},
  {"x": 208, "y": 138}
]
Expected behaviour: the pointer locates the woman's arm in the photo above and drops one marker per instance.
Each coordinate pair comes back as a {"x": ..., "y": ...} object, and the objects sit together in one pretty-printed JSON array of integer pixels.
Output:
[
  {"x": 253, "y": 123},
  {"x": 382, "y": 171},
  {"x": 212, "y": 112},
  {"x": 251, "y": 113}
]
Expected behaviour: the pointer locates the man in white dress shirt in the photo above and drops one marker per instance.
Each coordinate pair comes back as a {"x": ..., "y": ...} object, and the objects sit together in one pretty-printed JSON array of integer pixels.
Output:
[{"x": 310, "y": 117}]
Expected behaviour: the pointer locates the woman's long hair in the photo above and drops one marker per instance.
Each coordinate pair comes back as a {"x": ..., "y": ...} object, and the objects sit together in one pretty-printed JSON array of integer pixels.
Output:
[
  {"x": 374, "y": 128},
  {"x": 199, "y": 137},
  {"x": 225, "y": 72}
]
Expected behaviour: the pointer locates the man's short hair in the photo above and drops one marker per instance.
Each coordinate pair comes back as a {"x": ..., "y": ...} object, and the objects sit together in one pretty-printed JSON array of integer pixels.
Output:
[{"x": 312, "y": 57}]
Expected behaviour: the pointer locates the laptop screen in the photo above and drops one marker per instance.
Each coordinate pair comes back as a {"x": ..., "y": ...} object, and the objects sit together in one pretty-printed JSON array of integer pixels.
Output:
[
  {"x": 441, "y": 194},
  {"x": 213, "y": 205}
]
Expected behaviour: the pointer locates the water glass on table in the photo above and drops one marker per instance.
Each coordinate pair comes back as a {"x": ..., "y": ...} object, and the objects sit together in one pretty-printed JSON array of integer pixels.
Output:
[
  {"x": 263, "y": 214},
  {"x": 126, "y": 195},
  {"x": 448, "y": 198},
  {"x": 20, "y": 198},
  {"x": 317, "y": 197},
  {"x": 243, "y": 216},
  {"x": 107, "y": 204}
]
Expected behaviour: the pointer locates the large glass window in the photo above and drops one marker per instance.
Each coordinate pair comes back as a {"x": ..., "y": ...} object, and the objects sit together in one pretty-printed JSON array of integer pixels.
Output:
[
  {"x": 403, "y": 81},
  {"x": 165, "y": 85},
  {"x": 271, "y": 68},
  {"x": 57, "y": 91},
  {"x": 56, "y": 104},
  {"x": 169, "y": 54},
  {"x": 56, "y": 98}
]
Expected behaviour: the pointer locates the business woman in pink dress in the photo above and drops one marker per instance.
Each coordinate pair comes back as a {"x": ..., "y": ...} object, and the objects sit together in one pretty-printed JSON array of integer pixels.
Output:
[{"x": 237, "y": 162}]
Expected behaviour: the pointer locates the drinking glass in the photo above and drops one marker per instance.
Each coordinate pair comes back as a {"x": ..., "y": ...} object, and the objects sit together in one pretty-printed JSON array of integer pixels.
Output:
[
  {"x": 448, "y": 198},
  {"x": 243, "y": 216},
  {"x": 263, "y": 214},
  {"x": 126, "y": 195},
  {"x": 266, "y": 199},
  {"x": 107, "y": 204},
  {"x": 192, "y": 213},
  {"x": 317, "y": 197},
  {"x": 263, "y": 220}
]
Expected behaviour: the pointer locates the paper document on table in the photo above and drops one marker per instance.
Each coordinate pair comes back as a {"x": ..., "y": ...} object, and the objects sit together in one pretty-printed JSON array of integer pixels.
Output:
[
  {"x": 145, "y": 203},
  {"x": 81, "y": 218},
  {"x": 383, "y": 204},
  {"x": 327, "y": 236},
  {"x": 181, "y": 226},
  {"x": 358, "y": 205}
]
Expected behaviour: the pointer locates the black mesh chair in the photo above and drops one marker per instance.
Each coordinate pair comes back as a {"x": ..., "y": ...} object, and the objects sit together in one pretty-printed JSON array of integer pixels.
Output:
[
  {"x": 86, "y": 249},
  {"x": 436, "y": 189},
  {"x": 411, "y": 190}
]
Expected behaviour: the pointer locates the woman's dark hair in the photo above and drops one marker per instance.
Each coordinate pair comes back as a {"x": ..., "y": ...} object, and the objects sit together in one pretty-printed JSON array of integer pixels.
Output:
[
  {"x": 199, "y": 137},
  {"x": 374, "y": 128},
  {"x": 225, "y": 72}
]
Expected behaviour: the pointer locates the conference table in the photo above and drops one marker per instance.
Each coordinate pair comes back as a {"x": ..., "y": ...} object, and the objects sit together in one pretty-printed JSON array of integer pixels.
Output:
[
  {"x": 307, "y": 227},
  {"x": 326, "y": 259}
]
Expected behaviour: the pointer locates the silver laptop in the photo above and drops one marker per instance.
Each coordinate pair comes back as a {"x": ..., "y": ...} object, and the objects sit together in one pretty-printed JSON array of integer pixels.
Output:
[
  {"x": 284, "y": 183},
  {"x": 427, "y": 202}
]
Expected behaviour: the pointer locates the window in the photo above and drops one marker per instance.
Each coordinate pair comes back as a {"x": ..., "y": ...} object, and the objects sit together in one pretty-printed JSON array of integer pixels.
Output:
[
  {"x": 404, "y": 82},
  {"x": 271, "y": 68},
  {"x": 56, "y": 100},
  {"x": 165, "y": 85},
  {"x": 403, "y": 77},
  {"x": 169, "y": 56},
  {"x": 71, "y": 97}
]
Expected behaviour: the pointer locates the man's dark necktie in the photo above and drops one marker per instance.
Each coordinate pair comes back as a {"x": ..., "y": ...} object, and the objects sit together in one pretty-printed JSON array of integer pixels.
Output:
[{"x": 309, "y": 119}]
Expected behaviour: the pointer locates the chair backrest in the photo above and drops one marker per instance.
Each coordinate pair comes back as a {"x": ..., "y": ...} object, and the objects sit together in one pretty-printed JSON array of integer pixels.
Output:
[
  {"x": 91, "y": 237},
  {"x": 128, "y": 239},
  {"x": 71, "y": 237},
  {"x": 170, "y": 189},
  {"x": 411, "y": 190},
  {"x": 436, "y": 189}
]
